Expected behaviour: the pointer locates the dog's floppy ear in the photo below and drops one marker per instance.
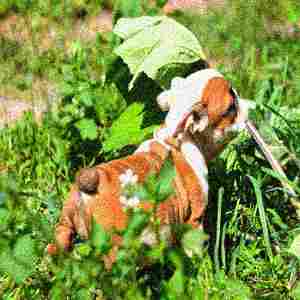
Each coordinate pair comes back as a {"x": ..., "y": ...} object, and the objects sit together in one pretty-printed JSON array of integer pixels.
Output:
[
  {"x": 187, "y": 92},
  {"x": 216, "y": 99}
]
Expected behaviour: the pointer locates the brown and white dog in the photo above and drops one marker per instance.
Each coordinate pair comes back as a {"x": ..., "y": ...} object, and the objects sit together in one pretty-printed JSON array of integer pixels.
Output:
[{"x": 203, "y": 112}]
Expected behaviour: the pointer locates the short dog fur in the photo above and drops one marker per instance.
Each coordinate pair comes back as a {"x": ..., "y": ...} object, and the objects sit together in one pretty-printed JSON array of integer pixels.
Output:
[{"x": 203, "y": 112}]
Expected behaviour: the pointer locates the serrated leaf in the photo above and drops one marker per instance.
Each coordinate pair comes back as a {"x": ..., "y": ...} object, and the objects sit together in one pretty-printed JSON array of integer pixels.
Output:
[
  {"x": 282, "y": 178},
  {"x": 295, "y": 246},
  {"x": 278, "y": 149},
  {"x": 84, "y": 249},
  {"x": 126, "y": 130},
  {"x": 100, "y": 239},
  {"x": 154, "y": 42},
  {"x": 19, "y": 263},
  {"x": 83, "y": 294},
  {"x": 9, "y": 266},
  {"x": 87, "y": 129},
  {"x": 86, "y": 98},
  {"x": 151, "y": 185},
  {"x": 136, "y": 225},
  {"x": 176, "y": 284},
  {"x": 142, "y": 193},
  {"x": 293, "y": 13},
  {"x": 66, "y": 89},
  {"x": 25, "y": 251},
  {"x": 110, "y": 103},
  {"x": 193, "y": 242},
  {"x": 165, "y": 180}
]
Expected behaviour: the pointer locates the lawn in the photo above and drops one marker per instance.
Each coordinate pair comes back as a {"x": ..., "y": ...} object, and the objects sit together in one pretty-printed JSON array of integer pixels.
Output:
[{"x": 250, "y": 246}]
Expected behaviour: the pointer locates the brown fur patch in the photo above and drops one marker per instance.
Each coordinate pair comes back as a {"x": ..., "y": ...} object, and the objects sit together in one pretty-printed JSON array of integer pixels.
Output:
[
  {"x": 186, "y": 205},
  {"x": 217, "y": 99}
]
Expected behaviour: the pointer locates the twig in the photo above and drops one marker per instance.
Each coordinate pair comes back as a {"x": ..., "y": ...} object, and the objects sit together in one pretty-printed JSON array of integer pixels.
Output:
[
  {"x": 218, "y": 235},
  {"x": 269, "y": 156}
]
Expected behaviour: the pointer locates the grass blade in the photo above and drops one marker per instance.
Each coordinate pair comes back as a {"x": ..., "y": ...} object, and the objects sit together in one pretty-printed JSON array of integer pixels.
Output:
[
  {"x": 262, "y": 216},
  {"x": 223, "y": 249},
  {"x": 217, "y": 244}
]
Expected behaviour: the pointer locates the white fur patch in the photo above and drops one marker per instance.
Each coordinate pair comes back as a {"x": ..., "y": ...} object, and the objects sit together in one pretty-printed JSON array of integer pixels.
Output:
[
  {"x": 164, "y": 100},
  {"x": 159, "y": 136},
  {"x": 178, "y": 83},
  {"x": 85, "y": 198},
  {"x": 186, "y": 93},
  {"x": 145, "y": 146}
]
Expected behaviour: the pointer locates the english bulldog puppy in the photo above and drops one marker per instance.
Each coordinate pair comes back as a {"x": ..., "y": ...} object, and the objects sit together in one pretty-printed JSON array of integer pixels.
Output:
[{"x": 204, "y": 112}]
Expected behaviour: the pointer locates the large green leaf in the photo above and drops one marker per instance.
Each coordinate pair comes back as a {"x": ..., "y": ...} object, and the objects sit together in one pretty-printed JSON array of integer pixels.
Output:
[
  {"x": 109, "y": 105},
  {"x": 176, "y": 284},
  {"x": 137, "y": 223},
  {"x": 151, "y": 43},
  {"x": 19, "y": 263},
  {"x": 24, "y": 251},
  {"x": 126, "y": 130},
  {"x": 165, "y": 180},
  {"x": 100, "y": 238}
]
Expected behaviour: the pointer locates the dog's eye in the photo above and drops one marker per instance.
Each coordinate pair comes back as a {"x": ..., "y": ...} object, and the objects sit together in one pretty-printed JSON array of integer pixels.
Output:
[{"x": 231, "y": 110}]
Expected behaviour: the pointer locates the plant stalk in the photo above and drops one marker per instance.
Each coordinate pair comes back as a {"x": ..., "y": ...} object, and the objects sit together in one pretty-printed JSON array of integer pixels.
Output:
[{"x": 269, "y": 156}]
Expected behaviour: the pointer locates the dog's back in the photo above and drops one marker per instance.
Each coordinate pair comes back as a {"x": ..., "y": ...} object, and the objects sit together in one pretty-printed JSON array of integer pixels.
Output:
[{"x": 186, "y": 205}]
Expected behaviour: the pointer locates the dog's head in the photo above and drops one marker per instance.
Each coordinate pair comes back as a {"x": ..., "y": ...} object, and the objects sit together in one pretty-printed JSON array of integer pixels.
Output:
[{"x": 205, "y": 105}]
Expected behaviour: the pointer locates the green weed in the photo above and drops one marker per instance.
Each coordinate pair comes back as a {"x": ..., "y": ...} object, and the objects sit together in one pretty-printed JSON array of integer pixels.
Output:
[{"x": 249, "y": 249}]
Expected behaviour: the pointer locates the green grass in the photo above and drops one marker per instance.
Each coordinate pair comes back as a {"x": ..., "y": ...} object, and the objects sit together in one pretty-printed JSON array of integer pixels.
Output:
[{"x": 250, "y": 223}]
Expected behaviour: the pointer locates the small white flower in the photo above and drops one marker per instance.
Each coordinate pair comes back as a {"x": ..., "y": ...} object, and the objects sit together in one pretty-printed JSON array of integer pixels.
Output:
[
  {"x": 128, "y": 178},
  {"x": 84, "y": 198},
  {"x": 134, "y": 201},
  {"x": 129, "y": 202}
]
